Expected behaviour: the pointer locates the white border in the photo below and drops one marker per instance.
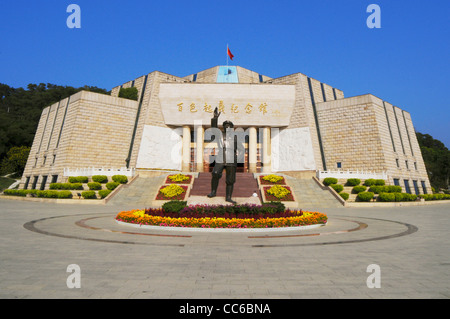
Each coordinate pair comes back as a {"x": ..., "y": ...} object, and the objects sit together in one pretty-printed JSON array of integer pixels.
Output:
[{"x": 239, "y": 230}]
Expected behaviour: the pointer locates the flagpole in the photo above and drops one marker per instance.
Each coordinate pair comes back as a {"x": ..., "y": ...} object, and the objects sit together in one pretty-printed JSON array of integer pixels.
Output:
[{"x": 227, "y": 57}]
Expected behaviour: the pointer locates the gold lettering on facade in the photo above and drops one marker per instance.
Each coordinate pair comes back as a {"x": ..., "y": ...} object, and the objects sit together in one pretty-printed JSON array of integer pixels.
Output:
[
  {"x": 234, "y": 108},
  {"x": 180, "y": 107},
  {"x": 263, "y": 108},
  {"x": 207, "y": 108},
  {"x": 192, "y": 108},
  {"x": 248, "y": 108}
]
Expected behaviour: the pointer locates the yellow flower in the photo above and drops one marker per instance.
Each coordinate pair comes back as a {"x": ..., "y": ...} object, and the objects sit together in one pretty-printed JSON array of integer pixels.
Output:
[
  {"x": 278, "y": 191},
  {"x": 272, "y": 178},
  {"x": 172, "y": 190}
]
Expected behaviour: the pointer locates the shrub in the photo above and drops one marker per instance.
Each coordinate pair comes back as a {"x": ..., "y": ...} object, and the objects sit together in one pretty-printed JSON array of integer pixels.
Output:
[
  {"x": 369, "y": 182},
  {"x": 329, "y": 181},
  {"x": 435, "y": 196},
  {"x": 95, "y": 186},
  {"x": 379, "y": 182},
  {"x": 100, "y": 179},
  {"x": 344, "y": 195},
  {"x": 386, "y": 189},
  {"x": 47, "y": 194},
  {"x": 174, "y": 206},
  {"x": 64, "y": 194},
  {"x": 104, "y": 192},
  {"x": 353, "y": 181},
  {"x": 78, "y": 179},
  {"x": 66, "y": 186},
  {"x": 89, "y": 195},
  {"x": 365, "y": 196},
  {"x": 358, "y": 189},
  {"x": 338, "y": 188},
  {"x": 387, "y": 197},
  {"x": 112, "y": 185},
  {"x": 122, "y": 179},
  {"x": 280, "y": 207}
]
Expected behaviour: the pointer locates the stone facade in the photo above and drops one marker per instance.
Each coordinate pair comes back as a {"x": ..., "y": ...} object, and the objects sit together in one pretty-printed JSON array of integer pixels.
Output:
[{"x": 293, "y": 123}]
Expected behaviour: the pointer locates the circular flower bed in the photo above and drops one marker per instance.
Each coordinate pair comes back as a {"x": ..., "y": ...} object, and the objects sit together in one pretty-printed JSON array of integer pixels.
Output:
[
  {"x": 223, "y": 216},
  {"x": 171, "y": 192}
]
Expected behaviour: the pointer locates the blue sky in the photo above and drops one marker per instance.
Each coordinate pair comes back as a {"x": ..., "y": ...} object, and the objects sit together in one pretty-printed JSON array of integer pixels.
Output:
[{"x": 405, "y": 62}]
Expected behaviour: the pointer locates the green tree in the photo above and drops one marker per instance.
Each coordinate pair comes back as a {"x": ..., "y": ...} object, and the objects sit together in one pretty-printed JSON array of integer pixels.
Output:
[
  {"x": 20, "y": 110},
  {"x": 437, "y": 160},
  {"x": 129, "y": 93},
  {"x": 15, "y": 160}
]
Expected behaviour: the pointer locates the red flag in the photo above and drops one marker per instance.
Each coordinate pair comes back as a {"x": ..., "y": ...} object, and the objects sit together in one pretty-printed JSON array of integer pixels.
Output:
[{"x": 229, "y": 53}]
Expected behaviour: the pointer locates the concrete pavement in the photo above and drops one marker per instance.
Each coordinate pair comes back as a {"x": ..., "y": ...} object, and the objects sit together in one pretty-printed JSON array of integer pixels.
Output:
[{"x": 39, "y": 240}]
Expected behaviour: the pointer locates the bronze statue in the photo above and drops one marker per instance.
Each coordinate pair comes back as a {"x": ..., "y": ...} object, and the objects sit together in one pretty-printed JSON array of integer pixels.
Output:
[{"x": 226, "y": 159}]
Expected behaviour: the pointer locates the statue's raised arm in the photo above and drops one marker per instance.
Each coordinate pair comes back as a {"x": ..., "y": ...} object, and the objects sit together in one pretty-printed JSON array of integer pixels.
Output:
[{"x": 214, "y": 120}]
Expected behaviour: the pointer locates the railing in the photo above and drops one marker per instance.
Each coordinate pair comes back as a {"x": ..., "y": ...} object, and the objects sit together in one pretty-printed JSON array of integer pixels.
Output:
[
  {"x": 129, "y": 172},
  {"x": 351, "y": 174}
]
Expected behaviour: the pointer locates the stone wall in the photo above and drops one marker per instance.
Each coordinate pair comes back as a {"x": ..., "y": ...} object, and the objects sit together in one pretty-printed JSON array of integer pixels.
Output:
[
  {"x": 92, "y": 130},
  {"x": 367, "y": 133}
]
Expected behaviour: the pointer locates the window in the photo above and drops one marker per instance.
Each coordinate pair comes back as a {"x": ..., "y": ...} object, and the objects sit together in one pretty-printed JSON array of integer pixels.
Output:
[
  {"x": 407, "y": 189},
  {"x": 27, "y": 181},
  {"x": 415, "y": 166},
  {"x": 406, "y": 164},
  {"x": 424, "y": 187},
  {"x": 35, "y": 179},
  {"x": 397, "y": 162},
  {"x": 54, "y": 159},
  {"x": 416, "y": 187},
  {"x": 339, "y": 164},
  {"x": 44, "y": 181},
  {"x": 54, "y": 178},
  {"x": 396, "y": 182}
]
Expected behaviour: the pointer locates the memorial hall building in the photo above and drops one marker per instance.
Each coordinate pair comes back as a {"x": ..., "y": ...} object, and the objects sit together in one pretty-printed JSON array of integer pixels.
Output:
[{"x": 293, "y": 124}]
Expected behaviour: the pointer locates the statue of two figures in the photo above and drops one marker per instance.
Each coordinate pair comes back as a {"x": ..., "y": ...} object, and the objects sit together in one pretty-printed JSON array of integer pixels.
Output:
[{"x": 226, "y": 158}]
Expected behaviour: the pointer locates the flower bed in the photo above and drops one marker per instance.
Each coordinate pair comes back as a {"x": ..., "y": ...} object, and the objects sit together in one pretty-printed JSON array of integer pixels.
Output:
[
  {"x": 179, "y": 179},
  {"x": 278, "y": 193},
  {"x": 172, "y": 192},
  {"x": 271, "y": 179},
  {"x": 158, "y": 217}
]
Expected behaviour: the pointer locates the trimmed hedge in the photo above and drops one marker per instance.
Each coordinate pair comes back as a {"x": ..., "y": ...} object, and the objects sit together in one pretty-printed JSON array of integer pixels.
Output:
[
  {"x": 435, "y": 196},
  {"x": 329, "y": 181},
  {"x": 397, "y": 197},
  {"x": 122, "y": 179},
  {"x": 78, "y": 179},
  {"x": 338, "y": 188},
  {"x": 100, "y": 179},
  {"x": 39, "y": 193},
  {"x": 353, "y": 181},
  {"x": 66, "y": 186},
  {"x": 365, "y": 196},
  {"x": 89, "y": 195},
  {"x": 174, "y": 206},
  {"x": 386, "y": 189},
  {"x": 344, "y": 195},
  {"x": 358, "y": 189},
  {"x": 94, "y": 186},
  {"x": 112, "y": 185},
  {"x": 374, "y": 182},
  {"x": 104, "y": 192}
]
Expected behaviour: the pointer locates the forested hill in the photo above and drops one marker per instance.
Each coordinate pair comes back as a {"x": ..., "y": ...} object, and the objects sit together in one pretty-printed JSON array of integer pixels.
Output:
[{"x": 20, "y": 110}]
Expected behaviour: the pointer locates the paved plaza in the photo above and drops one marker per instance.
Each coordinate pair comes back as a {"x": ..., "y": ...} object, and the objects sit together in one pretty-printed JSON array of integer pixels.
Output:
[{"x": 39, "y": 240}]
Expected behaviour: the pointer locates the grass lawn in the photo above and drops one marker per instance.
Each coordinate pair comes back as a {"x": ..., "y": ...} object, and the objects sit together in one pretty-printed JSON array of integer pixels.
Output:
[{"x": 5, "y": 182}]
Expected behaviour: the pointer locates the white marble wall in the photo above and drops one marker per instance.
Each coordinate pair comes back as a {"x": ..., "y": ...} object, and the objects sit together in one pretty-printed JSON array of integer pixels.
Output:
[
  {"x": 292, "y": 150},
  {"x": 160, "y": 148}
]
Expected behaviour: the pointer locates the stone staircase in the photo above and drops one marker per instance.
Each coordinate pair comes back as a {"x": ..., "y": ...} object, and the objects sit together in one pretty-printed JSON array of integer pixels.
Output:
[
  {"x": 142, "y": 191},
  {"x": 310, "y": 195}
]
